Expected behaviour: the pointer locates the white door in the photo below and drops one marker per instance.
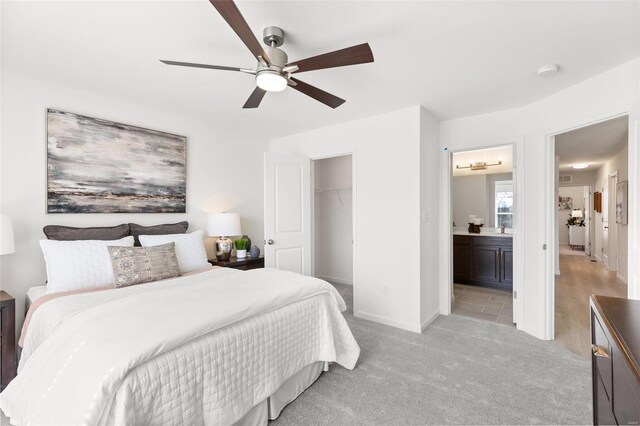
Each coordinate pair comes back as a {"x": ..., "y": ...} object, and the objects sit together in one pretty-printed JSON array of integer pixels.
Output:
[
  {"x": 613, "y": 229},
  {"x": 605, "y": 222},
  {"x": 287, "y": 212},
  {"x": 587, "y": 220}
]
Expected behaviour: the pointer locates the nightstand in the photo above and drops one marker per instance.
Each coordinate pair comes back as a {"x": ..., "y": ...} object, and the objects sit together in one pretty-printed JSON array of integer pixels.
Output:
[
  {"x": 7, "y": 338},
  {"x": 242, "y": 264}
]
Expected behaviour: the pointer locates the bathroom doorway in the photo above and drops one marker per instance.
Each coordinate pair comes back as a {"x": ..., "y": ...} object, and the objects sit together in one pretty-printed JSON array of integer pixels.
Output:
[{"x": 483, "y": 217}]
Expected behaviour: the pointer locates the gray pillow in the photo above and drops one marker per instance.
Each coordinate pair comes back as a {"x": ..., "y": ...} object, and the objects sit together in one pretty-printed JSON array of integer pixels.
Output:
[
  {"x": 136, "y": 265},
  {"x": 68, "y": 233},
  {"x": 167, "y": 229}
]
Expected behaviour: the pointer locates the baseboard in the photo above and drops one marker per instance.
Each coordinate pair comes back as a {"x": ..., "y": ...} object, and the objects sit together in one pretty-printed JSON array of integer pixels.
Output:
[
  {"x": 622, "y": 279},
  {"x": 426, "y": 323},
  {"x": 598, "y": 258},
  {"x": 388, "y": 321},
  {"x": 335, "y": 279}
]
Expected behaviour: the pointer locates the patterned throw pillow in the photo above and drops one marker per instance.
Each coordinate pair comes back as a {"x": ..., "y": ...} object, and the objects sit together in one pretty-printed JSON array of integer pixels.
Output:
[{"x": 135, "y": 265}]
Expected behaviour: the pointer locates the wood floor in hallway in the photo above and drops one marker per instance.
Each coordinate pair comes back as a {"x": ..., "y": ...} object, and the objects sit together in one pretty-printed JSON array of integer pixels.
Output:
[{"x": 579, "y": 278}]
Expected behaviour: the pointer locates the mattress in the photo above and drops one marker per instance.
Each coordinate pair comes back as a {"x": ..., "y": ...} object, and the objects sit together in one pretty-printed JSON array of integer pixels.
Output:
[
  {"x": 210, "y": 377},
  {"x": 33, "y": 294}
]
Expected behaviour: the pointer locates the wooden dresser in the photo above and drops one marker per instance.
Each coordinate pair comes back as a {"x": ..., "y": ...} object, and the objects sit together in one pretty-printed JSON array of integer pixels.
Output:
[
  {"x": 615, "y": 338},
  {"x": 7, "y": 339}
]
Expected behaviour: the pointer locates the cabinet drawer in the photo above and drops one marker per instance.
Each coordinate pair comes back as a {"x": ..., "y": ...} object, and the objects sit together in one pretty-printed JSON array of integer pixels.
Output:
[
  {"x": 493, "y": 241},
  {"x": 602, "y": 358},
  {"x": 626, "y": 390},
  {"x": 602, "y": 414}
]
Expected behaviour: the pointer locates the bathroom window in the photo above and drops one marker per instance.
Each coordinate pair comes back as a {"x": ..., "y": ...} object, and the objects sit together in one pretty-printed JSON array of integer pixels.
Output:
[{"x": 504, "y": 203}]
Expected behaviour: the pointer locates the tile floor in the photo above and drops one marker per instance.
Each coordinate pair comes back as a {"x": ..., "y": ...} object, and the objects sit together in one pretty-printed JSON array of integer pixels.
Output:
[{"x": 483, "y": 303}]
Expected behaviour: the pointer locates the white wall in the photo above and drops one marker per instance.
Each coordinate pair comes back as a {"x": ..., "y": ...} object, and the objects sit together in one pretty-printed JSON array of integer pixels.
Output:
[
  {"x": 333, "y": 219},
  {"x": 619, "y": 162},
  {"x": 579, "y": 178},
  {"x": 213, "y": 183},
  {"x": 430, "y": 220},
  {"x": 605, "y": 95},
  {"x": 577, "y": 194},
  {"x": 387, "y": 193}
]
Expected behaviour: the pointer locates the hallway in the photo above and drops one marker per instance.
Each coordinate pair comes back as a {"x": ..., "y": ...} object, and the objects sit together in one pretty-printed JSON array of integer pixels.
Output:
[{"x": 579, "y": 278}]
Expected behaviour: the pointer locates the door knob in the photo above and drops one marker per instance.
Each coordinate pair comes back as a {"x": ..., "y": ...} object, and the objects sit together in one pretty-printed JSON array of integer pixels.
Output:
[{"x": 270, "y": 241}]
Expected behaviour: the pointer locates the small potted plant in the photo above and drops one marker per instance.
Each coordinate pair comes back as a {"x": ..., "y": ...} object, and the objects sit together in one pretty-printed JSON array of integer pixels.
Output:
[{"x": 241, "y": 248}]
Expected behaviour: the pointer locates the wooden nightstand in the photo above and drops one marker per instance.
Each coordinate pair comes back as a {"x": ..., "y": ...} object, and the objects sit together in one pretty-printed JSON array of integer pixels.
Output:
[
  {"x": 7, "y": 338},
  {"x": 242, "y": 264}
]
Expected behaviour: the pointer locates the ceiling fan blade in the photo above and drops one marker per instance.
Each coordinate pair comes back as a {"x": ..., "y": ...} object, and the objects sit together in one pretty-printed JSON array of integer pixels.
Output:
[
  {"x": 317, "y": 94},
  {"x": 231, "y": 14},
  {"x": 360, "y": 54},
  {"x": 255, "y": 98},
  {"x": 213, "y": 67}
]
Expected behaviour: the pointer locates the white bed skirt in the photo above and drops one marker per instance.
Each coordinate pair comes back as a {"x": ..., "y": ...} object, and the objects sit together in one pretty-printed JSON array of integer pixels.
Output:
[{"x": 270, "y": 408}]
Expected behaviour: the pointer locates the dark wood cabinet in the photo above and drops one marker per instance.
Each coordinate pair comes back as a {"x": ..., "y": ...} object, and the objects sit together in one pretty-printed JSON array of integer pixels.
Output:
[
  {"x": 615, "y": 360},
  {"x": 242, "y": 264},
  {"x": 483, "y": 261},
  {"x": 462, "y": 258},
  {"x": 7, "y": 339}
]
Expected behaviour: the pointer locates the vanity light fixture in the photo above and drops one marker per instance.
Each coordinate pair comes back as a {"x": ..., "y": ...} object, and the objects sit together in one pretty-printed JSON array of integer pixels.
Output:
[{"x": 479, "y": 165}]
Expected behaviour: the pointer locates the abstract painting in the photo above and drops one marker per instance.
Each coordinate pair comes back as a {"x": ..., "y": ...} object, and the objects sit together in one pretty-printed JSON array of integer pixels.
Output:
[
  {"x": 98, "y": 166},
  {"x": 621, "y": 202},
  {"x": 565, "y": 203}
]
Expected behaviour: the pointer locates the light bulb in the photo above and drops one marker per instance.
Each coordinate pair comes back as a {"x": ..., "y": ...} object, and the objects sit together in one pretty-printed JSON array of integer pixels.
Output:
[{"x": 271, "y": 81}]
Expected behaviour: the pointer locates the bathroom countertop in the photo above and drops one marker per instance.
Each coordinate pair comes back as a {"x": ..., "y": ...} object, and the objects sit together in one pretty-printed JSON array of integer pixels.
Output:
[{"x": 483, "y": 234}]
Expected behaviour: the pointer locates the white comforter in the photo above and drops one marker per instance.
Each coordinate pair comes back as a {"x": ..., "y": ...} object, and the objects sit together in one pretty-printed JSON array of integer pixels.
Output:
[{"x": 202, "y": 349}]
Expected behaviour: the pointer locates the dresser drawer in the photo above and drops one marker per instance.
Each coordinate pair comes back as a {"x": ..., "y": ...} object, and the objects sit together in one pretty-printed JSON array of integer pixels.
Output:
[
  {"x": 626, "y": 391},
  {"x": 602, "y": 354}
]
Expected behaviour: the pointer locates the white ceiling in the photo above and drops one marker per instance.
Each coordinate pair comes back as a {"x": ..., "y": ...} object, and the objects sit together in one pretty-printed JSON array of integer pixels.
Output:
[
  {"x": 593, "y": 144},
  {"x": 454, "y": 58},
  {"x": 490, "y": 155}
]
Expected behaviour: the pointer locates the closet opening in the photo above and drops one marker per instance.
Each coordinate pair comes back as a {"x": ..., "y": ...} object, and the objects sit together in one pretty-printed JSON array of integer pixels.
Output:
[{"x": 332, "y": 223}]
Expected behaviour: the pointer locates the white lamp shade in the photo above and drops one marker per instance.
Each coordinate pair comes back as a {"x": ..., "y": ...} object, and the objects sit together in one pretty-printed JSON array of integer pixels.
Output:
[
  {"x": 223, "y": 225},
  {"x": 6, "y": 235},
  {"x": 576, "y": 213}
]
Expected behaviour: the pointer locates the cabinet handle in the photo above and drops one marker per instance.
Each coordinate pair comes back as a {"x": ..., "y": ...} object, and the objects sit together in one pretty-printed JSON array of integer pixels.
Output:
[
  {"x": 497, "y": 274},
  {"x": 599, "y": 351}
]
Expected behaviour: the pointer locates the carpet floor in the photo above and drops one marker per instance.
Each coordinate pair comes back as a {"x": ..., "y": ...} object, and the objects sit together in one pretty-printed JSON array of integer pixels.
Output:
[{"x": 459, "y": 371}]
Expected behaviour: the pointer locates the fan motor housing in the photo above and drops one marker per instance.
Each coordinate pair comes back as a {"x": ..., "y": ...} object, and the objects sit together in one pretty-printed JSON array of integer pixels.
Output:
[{"x": 277, "y": 57}]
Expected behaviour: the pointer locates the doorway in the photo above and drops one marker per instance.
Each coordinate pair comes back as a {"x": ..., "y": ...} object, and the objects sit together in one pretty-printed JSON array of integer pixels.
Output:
[
  {"x": 482, "y": 194},
  {"x": 589, "y": 163},
  {"x": 332, "y": 223}
]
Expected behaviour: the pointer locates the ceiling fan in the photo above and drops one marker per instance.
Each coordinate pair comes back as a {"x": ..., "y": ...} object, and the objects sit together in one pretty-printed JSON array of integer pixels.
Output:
[{"x": 274, "y": 72}]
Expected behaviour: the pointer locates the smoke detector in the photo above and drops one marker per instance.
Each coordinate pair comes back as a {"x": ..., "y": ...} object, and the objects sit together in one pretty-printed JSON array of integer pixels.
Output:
[{"x": 548, "y": 70}]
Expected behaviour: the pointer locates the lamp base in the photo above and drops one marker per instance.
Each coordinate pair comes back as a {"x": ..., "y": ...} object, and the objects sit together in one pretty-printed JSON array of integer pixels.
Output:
[{"x": 224, "y": 246}]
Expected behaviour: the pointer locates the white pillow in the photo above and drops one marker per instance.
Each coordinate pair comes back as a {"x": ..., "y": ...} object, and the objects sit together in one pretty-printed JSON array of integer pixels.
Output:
[
  {"x": 190, "y": 250},
  {"x": 73, "y": 265}
]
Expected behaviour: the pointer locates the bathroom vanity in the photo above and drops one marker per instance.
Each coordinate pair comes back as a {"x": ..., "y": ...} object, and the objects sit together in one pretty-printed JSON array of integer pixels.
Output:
[{"x": 484, "y": 259}]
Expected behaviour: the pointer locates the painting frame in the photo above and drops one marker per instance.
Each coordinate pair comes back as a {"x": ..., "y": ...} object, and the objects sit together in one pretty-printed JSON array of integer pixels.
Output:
[
  {"x": 622, "y": 208},
  {"x": 565, "y": 203},
  {"x": 96, "y": 165}
]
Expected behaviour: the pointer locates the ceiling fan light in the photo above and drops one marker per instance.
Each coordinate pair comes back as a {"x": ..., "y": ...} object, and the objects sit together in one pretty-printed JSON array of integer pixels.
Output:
[{"x": 271, "y": 81}]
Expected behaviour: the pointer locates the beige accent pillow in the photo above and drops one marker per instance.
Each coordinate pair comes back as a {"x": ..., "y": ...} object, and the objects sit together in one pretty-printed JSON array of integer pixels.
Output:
[{"x": 135, "y": 265}]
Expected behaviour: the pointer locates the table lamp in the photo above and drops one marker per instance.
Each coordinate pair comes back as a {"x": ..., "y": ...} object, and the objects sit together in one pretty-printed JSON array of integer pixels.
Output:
[
  {"x": 576, "y": 213},
  {"x": 223, "y": 225},
  {"x": 6, "y": 235}
]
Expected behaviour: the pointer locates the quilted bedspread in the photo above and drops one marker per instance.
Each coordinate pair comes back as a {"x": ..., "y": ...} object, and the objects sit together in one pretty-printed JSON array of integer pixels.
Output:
[{"x": 201, "y": 349}]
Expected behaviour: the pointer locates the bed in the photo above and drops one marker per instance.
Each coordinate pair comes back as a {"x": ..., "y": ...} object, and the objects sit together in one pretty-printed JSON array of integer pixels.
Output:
[{"x": 219, "y": 346}]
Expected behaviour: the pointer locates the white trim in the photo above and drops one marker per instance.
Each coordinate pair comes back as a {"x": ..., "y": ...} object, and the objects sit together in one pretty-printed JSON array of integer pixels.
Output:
[
  {"x": 621, "y": 279},
  {"x": 335, "y": 279},
  {"x": 426, "y": 323},
  {"x": 445, "y": 240},
  {"x": 550, "y": 207},
  {"x": 416, "y": 328}
]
